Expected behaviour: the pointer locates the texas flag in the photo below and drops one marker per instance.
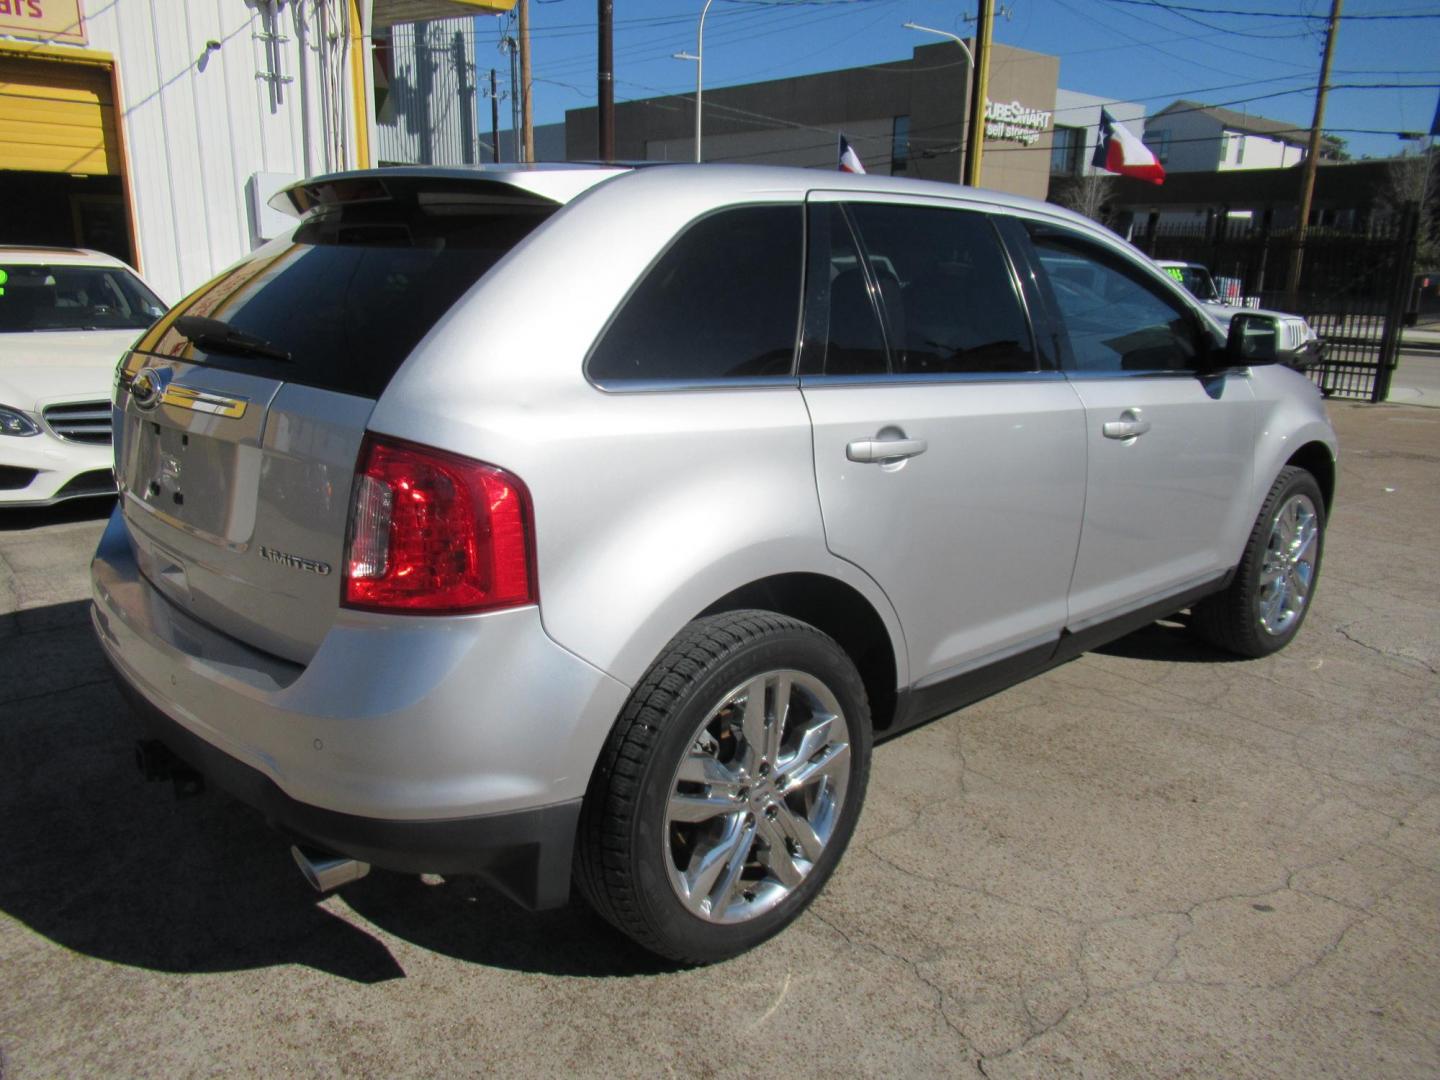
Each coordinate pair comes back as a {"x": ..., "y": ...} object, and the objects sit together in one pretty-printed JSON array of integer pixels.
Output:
[
  {"x": 1120, "y": 152},
  {"x": 849, "y": 160}
]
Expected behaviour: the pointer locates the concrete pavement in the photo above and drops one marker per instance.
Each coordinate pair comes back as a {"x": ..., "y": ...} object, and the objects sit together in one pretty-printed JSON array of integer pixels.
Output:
[{"x": 1153, "y": 861}]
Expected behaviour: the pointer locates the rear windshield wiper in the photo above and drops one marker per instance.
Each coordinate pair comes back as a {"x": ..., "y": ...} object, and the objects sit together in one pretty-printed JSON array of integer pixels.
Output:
[{"x": 217, "y": 336}]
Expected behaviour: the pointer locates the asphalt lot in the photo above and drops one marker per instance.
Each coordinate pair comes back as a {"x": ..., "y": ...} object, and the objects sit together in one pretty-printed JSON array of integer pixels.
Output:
[{"x": 1153, "y": 861}]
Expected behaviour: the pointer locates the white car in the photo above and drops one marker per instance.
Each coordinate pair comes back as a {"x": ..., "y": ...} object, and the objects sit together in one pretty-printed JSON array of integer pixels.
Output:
[
  {"x": 66, "y": 317},
  {"x": 1298, "y": 345}
]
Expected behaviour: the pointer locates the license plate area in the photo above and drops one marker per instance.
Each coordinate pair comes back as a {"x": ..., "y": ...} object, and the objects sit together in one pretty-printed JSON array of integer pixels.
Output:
[{"x": 197, "y": 482}]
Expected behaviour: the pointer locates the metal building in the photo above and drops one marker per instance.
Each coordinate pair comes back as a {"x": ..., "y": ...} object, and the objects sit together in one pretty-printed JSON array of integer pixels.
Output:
[{"x": 157, "y": 129}]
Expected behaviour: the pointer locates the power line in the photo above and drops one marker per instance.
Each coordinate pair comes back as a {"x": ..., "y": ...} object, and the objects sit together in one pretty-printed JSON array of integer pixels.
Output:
[{"x": 1180, "y": 9}]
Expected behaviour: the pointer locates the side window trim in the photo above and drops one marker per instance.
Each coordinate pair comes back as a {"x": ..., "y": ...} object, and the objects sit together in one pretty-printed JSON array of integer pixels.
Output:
[
  {"x": 1001, "y": 224},
  {"x": 872, "y": 286},
  {"x": 815, "y": 316},
  {"x": 1046, "y": 323},
  {"x": 756, "y": 382}
]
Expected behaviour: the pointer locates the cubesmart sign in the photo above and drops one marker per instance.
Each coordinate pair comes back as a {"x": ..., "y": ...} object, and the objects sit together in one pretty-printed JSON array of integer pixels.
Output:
[{"x": 43, "y": 20}]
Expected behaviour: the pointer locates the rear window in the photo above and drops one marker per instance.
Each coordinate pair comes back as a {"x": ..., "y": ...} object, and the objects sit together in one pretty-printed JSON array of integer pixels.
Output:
[
  {"x": 36, "y": 298},
  {"x": 355, "y": 288}
]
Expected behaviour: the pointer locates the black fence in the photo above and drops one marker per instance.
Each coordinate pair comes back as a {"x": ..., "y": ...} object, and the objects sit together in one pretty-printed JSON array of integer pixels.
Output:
[{"x": 1353, "y": 288}]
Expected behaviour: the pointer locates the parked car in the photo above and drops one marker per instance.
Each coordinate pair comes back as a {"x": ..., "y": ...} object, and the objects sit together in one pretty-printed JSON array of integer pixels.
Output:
[
  {"x": 1299, "y": 346},
  {"x": 66, "y": 317},
  {"x": 505, "y": 521}
]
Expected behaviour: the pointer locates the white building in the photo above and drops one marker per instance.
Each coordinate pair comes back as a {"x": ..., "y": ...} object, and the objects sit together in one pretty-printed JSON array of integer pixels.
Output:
[
  {"x": 1077, "y": 130},
  {"x": 157, "y": 129},
  {"x": 432, "y": 94},
  {"x": 1190, "y": 137}
]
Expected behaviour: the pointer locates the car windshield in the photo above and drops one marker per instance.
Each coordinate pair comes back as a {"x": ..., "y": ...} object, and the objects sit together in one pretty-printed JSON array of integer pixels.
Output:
[
  {"x": 57, "y": 297},
  {"x": 1197, "y": 280}
]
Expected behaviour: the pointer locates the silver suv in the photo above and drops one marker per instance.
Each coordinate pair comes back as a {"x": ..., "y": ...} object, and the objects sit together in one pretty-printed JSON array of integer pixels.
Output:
[{"x": 592, "y": 522}]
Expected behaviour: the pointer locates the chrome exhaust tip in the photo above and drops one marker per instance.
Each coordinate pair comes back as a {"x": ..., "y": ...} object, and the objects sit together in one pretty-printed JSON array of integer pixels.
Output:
[{"x": 326, "y": 872}]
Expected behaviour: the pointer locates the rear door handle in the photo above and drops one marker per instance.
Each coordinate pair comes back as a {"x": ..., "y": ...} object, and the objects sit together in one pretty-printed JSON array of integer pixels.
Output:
[
  {"x": 878, "y": 450},
  {"x": 1127, "y": 427}
]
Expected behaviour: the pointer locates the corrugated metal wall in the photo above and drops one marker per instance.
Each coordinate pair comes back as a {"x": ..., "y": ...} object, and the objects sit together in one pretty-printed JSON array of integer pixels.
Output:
[
  {"x": 432, "y": 114},
  {"x": 200, "y": 120}
]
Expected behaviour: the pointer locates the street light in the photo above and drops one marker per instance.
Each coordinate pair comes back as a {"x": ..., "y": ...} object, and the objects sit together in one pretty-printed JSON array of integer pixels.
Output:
[
  {"x": 968, "y": 56},
  {"x": 699, "y": 57}
]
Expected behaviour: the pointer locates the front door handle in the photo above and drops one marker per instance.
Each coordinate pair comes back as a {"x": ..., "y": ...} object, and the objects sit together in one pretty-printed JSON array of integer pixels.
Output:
[
  {"x": 881, "y": 450},
  {"x": 1127, "y": 427}
]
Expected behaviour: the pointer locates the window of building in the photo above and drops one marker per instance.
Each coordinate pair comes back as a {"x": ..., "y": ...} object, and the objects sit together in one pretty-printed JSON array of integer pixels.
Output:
[
  {"x": 1115, "y": 320},
  {"x": 1158, "y": 141},
  {"x": 1067, "y": 147},
  {"x": 722, "y": 303},
  {"x": 939, "y": 278},
  {"x": 1240, "y": 150},
  {"x": 1224, "y": 146},
  {"x": 900, "y": 146}
]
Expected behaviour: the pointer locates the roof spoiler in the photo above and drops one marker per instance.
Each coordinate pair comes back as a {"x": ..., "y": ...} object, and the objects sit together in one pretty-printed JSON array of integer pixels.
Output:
[{"x": 555, "y": 184}]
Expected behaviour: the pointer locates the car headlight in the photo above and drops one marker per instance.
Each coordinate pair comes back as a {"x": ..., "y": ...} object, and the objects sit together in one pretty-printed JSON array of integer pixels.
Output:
[{"x": 15, "y": 422}]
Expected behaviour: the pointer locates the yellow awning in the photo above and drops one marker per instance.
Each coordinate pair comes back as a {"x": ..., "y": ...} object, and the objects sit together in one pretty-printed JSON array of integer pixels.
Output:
[{"x": 387, "y": 12}]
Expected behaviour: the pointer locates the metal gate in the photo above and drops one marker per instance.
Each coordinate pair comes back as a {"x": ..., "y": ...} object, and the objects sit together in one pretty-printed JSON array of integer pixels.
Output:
[{"x": 1353, "y": 289}]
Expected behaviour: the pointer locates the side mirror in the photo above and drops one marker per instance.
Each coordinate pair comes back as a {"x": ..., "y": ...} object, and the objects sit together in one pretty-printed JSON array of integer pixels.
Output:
[{"x": 1253, "y": 339}]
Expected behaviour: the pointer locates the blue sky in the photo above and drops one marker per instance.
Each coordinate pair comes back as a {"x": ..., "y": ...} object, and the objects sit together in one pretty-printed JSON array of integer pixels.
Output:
[{"x": 1131, "y": 50}]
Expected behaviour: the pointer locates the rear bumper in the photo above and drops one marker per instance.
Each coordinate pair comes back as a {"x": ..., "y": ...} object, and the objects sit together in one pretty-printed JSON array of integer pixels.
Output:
[
  {"x": 459, "y": 745},
  {"x": 525, "y": 853}
]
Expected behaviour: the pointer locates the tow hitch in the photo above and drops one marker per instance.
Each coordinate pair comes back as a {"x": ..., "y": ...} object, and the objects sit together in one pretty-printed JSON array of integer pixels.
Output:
[{"x": 157, "y": 763}]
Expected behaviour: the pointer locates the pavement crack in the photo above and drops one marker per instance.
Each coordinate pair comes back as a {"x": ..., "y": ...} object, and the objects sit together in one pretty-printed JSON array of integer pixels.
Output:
[
  {"x": 972, "y": 889},
  {"x": 914, "y": 965},
  {"x": 1388, "y": 654},
  {"x": 53, "y": 691}
]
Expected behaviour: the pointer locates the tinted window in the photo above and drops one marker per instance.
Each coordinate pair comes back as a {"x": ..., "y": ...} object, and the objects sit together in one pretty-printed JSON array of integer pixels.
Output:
[
  {"x": 946, "y": 290},
  {"x": 1114, "y": 319},
  {"x": 59, "y": 297},
  {"x": 721, "y": 303},
  {"x": 356, "y": 288},
  {"x": 842, "y": 325}
]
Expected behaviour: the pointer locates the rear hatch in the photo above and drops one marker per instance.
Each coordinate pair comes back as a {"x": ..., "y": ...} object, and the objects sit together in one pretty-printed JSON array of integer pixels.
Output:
[{"x": 240, "y": 414}]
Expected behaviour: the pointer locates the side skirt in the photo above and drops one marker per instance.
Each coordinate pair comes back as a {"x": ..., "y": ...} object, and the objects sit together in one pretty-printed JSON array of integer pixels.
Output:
[{"x": 914, "y": 707}]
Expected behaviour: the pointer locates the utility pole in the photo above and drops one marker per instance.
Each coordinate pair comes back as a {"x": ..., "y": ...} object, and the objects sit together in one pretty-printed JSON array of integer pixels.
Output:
[
  {"x": 526, "y": 122},
  {"x": 494, "y": 119},
  {"x": 984, "y": 35},
  {"x": 607, "y": 80},
  {"x": 1312, "y": 155},
  {"x": 513, "y": 48}
]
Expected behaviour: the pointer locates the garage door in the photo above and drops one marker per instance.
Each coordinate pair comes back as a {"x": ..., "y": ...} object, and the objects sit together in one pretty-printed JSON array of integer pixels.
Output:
[{"x": 57, "y": 117}]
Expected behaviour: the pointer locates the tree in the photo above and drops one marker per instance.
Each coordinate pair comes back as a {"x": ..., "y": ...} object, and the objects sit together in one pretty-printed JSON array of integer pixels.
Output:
[
  {"x": 1089, "y": 195},
  {"x": 1333, "y": 148},
  {"x": 1415, "y": 178}
]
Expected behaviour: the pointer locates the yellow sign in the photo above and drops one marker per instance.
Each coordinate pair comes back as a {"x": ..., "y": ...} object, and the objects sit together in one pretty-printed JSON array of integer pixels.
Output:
[{"x": 43, "y": 20}]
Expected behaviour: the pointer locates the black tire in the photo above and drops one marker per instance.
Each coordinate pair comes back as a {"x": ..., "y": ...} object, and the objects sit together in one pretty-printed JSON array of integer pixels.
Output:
[
  {"x": 1234, "y": 620},
  {"x": 628, "y": 847}
]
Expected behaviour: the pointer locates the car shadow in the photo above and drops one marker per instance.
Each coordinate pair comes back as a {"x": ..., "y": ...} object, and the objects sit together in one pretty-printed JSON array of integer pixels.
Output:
[
  {"x": 1167, "y": 641},
  {"x": 22, "y": 518},
  {"x": 105, "y": 864}
]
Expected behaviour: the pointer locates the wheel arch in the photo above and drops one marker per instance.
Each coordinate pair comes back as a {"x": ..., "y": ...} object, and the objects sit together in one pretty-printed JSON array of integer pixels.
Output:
[
  {"x": 1316, "y": 459},
  {"x": 842, "y": 612}
]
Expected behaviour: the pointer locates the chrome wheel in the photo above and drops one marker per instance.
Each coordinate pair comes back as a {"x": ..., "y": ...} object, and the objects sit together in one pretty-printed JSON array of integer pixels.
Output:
[
  {"x": 757, "y": 796},
  {"x": 1288, "y": 568}
]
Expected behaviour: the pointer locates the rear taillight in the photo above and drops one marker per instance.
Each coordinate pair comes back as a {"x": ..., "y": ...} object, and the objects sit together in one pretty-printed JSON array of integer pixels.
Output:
[{"x": 435, "y": 533}]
